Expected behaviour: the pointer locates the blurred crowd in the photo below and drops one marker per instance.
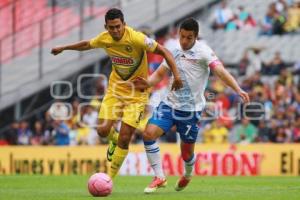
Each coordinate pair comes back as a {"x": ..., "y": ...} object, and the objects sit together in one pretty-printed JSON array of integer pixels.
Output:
[
  {"x": 227, "y": 19},
  {"x": 272, "y": 86},
  {"x": 282, "y": 16},
  {"x": 278, "y": 121}
]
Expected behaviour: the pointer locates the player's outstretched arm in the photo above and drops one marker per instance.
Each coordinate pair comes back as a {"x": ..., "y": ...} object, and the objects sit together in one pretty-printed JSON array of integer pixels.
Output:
[
  {"x": 228, "y": 79},
  {"x": 79, "y": 46},
  {"x": 142, "y": 83},
  {"x": 171, "y": 63}
]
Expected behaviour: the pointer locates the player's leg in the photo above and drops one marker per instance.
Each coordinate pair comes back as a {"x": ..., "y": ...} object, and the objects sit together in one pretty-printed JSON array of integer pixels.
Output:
[
  {"x": 131, "y": 116},
  {"x": 151, "y": 133},
  {"x": 105, "y": 129},
  {"x": 188, "y": 131},
  {"x": 187, "y": 154},
  {"x": 160, "y": 122},
  {"x": 121, "y": 150},
  {"x": 109, "y": 113}
]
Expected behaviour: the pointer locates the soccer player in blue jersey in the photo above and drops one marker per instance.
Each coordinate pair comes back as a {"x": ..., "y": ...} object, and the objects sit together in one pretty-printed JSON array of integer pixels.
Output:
[{"x": 183, "y": 107}]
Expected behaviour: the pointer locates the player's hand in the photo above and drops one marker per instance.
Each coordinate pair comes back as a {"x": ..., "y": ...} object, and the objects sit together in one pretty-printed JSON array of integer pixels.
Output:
[
  {"x": 140, "y": 83},
  {"x": 244, "y": 95},
  {"x": 57, "y": 50},
  {"x": 177, "y": 83}
]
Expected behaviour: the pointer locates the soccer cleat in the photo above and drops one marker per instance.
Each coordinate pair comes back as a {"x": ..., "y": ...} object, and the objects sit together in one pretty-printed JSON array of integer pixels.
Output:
[
  {"x": 155, "y": 184},
  {"x": 182, "y": 183},
  {"x": 110, "y": 150}
]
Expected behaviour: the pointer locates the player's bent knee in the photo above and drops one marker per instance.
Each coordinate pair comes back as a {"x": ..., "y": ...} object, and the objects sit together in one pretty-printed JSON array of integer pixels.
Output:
[
  {"x": 103, "y": 131},
  {"x": 186, "y": 156},
  {"x": 149, "y": 135}
]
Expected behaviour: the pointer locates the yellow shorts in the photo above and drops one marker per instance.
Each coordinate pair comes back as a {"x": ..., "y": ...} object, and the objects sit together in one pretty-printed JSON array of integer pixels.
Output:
[{"x": 113, "y": 108}]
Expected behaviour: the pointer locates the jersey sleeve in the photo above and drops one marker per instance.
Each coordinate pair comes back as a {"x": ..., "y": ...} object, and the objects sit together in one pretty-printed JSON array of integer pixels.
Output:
[
  {"x": 211, "y": 59},
  {"x": 97, "y": 42},
  {"x": 145, "y": 42}
]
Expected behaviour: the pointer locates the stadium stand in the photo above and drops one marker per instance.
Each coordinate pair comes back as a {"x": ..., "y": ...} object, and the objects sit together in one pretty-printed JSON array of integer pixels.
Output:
[
  {"x": 68, "y": 21},
  {"x": 228, "y": 43},
  {"x": 40, "y": 62},
  {"x": 266, "y": 65}
]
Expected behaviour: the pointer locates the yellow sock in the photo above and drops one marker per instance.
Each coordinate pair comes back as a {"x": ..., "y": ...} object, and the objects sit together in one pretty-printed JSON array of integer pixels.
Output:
[
  {"x": 117, "y": 160},
  {"x": 113, "y": 135}
]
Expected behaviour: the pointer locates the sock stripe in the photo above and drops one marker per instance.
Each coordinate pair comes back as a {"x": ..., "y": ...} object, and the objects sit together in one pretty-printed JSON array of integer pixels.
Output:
[
  {"x": 152, "y": 150},
  {"x": 190, "y": 164},
  {"x": 151, "y": 147},
  {"x": 191, "y": 159},
  {"x": 147, "y": 143}
]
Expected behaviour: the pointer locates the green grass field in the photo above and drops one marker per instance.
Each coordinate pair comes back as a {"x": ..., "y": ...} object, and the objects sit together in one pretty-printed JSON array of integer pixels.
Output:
[{"x": 206, "y": 188}]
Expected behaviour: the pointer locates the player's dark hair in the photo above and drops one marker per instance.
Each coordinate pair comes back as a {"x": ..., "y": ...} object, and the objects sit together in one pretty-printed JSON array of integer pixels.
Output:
[
  {"x": 114, "y": 13},
  {"x": 190, "y": 24}
]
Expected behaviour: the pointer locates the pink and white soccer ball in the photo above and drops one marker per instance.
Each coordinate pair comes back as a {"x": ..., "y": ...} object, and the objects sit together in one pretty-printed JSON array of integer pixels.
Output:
[{"x": 100, "y": 185}]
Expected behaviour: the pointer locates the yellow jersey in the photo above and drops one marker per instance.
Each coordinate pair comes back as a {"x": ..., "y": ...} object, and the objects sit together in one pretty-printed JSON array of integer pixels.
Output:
[{"x": 129, "y": 60}]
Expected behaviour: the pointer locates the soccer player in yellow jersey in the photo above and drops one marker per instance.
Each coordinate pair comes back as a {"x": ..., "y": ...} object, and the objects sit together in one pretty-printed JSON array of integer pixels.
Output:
[{"x": 127, "y": 50}]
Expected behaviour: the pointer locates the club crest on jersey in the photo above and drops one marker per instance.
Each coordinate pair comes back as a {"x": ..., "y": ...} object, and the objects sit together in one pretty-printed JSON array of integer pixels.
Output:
[
  {"x": 122, "y": 61},
  {"x": 128, "y": 48}
]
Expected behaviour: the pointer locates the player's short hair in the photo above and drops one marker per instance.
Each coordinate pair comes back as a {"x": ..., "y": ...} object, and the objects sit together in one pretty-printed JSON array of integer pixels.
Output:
[
  {"x": 190, "y": 24},
  {"x": 114, "y": 13}
]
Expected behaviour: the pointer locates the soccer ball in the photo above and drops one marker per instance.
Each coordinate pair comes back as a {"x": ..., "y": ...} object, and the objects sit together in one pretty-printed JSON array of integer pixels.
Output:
[{"x": 100, "y": 185}]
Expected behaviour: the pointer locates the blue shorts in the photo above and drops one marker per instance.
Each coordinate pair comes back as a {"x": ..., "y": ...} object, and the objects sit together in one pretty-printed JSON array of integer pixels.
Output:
[{"x": 186, "y": 122}]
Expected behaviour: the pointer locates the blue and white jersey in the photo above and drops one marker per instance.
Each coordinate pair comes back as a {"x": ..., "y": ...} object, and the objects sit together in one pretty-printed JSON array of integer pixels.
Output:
[{"x": 194, "y": 68}]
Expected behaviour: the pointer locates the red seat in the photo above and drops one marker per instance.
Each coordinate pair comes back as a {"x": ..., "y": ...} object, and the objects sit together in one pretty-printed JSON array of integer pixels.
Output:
[
  {"x": 65, "y": 20},
  {"x": 4, "y": 3},
  {"x": 27, "y": 38},
  {"x": 29, "y": 13},
  {"x": 47, "y": 29},
  {"x": 5, "y": 21}
]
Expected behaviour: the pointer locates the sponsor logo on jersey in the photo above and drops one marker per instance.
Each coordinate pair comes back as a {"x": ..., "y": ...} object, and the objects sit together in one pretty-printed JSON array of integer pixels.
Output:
[
  {"x": 122, "y": 61},
  {"x": 192, "y": 61}
]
